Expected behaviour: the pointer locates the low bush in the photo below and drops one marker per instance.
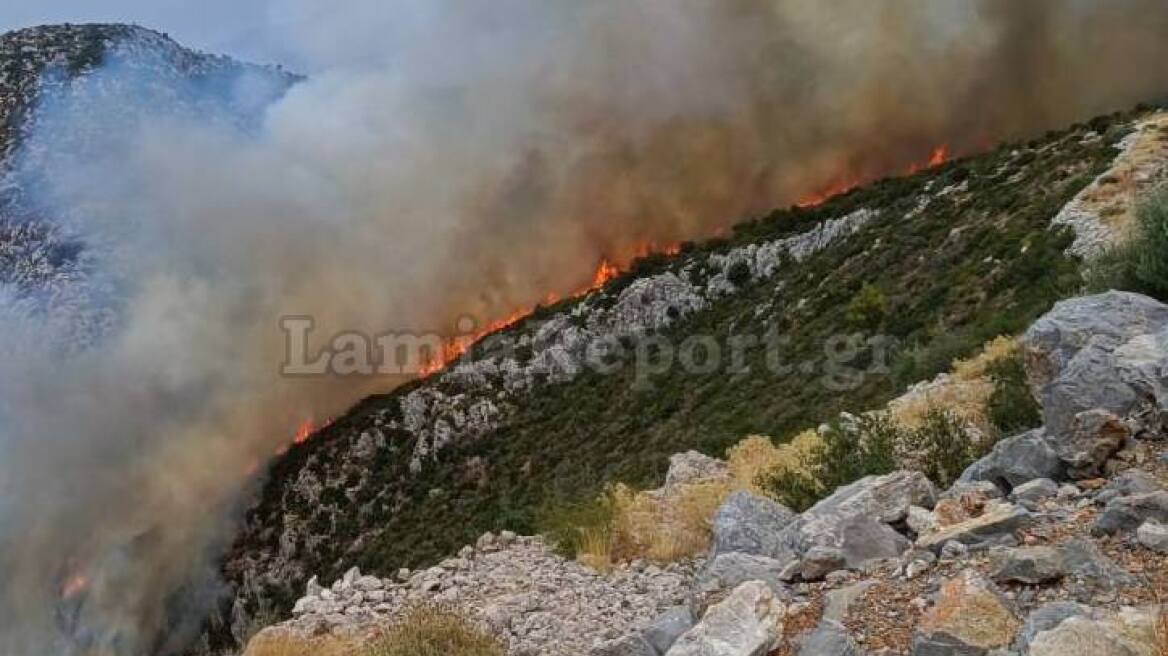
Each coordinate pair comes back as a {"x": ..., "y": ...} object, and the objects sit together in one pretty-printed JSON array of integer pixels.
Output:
[
  {"x": 1011, "y": 408},
  {"x": 1141, "y": 263},
  {"x": 945, "y": 445},
  {"x": 433, "y": 631}
]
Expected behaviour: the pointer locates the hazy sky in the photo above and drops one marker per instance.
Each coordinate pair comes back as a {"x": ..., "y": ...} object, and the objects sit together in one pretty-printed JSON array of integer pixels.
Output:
[{"x": 253, "y": 29}]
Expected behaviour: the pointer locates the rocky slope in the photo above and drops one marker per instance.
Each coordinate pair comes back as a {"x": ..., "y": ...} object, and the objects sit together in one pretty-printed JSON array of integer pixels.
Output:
[
  {"x": 1055, "y": 543},
  {"x": 115, "y": 74},
  {"x": 955, "y": 256}
]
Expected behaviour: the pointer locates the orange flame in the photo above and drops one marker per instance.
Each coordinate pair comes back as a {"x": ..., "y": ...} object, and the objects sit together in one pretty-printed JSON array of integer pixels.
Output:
[
  {"x": 76, "y": 585},
  {"x": 604, "y": 273}
]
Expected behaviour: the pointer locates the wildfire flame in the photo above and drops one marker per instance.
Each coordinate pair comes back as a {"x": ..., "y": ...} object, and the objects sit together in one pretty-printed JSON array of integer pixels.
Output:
[
  {"x": 938, "y": 157},
  {"x": 606, "y": 271},
  {"x": 73, "y": 587}
]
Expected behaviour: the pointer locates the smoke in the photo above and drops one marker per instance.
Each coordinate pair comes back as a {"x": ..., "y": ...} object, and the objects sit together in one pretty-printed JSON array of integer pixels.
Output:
[{"x": 442, "y": 160}]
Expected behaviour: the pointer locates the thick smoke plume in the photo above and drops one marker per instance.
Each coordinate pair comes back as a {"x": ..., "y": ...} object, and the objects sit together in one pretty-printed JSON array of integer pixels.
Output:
[{"x": 444, "y": 159}]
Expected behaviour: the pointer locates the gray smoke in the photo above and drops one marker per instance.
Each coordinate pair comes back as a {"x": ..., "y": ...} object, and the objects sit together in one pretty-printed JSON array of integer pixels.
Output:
[{"x": 444, "y": 159}]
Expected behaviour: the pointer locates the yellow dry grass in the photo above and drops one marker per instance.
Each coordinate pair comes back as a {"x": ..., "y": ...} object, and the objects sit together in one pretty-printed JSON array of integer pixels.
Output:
[
  {"x": 273, "y": 643},
  {"x": 965, "y": 392},
  {"x": 665, "y": 527},
  {"x": 1114, "y": 197}
]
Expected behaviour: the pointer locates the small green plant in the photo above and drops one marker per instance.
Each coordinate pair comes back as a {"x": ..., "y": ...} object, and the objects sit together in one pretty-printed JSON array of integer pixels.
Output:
[
  {"x": 852, "y": 448},
  {"x": 1140, "y": 264},
  {"x": 435, "y": 631},
  {"x": 574, "y": 527},
  {"x": 868, "y": 307},
  {"x": 1011, "y": 407},
  {"x": 945, "y": 446},
  {"x": 739, "y": 274}
]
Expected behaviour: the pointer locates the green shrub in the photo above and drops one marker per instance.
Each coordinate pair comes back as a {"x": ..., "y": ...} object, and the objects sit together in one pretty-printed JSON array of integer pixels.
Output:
[
  {"x": 852, "y": 449},
  {"x": 868, "y": 307},
  {"x": 945, "y": 446},
  {"x": 1012, "y": 408},
  {"x": 432, "y": 631},
  {"x": 570, "y": 525},
  {"x": 1141, "y": 264}
]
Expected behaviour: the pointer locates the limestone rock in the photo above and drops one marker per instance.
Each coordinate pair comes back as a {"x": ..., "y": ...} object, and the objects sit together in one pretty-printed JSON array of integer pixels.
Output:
[
  {"x": 1130, "y": 632},
  {"x": 829, "y": 639},
  {"x": 693, "y": 467},
  {"x": 630, "y": 645},
  {"x": 970, "y": 617},
  {"x": 1035, "y": 491},
  {"x": 1094, "y": 436},
  {"x": 749, "y": 524},
  {"x": 730, "y": 570},
  {"x": 1154, "y": 536},
  {"x": 1031, "y": 565},
  {"x": 748, "y": 623},
  {"x": 997, "y": 525},
  {"x": 1127, "y": 514},
  {"x": 1046, "y": 618},
  {"x": 1015, "y": 461},
  {"x": 818, "y": 562},
  {"x": 666, "y": 629}
]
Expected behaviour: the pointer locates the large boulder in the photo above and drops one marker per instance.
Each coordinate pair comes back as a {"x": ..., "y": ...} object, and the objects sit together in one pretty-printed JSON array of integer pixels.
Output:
[
  {"x": 1154, "y": 536},
  {"x": 1103, "y": 321},
  {"x": 1089, "y": 572},
  {"x": 1131, "y": 632},
  {"x": 1094, "y": 436},
  {"x": 971, "y": 617},
  {"x": 1099, "y": 352},
  {"x": 1015, "y": 461},
  {"x": 748, "y": 623},
  {"x": 752, "y": 525},
  {"x": 855, "y": 519},
  {"x": 691, "y": 467},
  {"x": 666, "y": 629},
  {"x": 730, "y": 570},
  {"x": 1126, "y": 514}
]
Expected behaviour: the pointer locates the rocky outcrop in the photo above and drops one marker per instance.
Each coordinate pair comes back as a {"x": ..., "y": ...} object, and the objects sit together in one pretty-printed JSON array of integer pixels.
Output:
[
  {"x": 748, "y": 623},
  {"x": 752, "y": 525}
]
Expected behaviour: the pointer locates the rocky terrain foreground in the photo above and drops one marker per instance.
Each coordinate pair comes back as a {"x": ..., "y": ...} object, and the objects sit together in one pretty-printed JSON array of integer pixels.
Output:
[{"x": 1056, "y": 543}]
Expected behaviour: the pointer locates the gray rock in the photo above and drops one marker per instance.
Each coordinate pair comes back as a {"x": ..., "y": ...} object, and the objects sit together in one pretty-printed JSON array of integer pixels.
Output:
[
  {"x": 979, "y": 487},
  {"x": 1089, "y": 571},
  {"x": 863, "y": 540},
  {"x": 921, "y": 521},
  {"x": 730, "y": 570},
  {"x": 818, "y": 562},
  {"x": 1154, "y": 536},
  {"x": 1126, "y": 514},
  {"x": 1035, "y": 491},
  {"x": 748, "y": 623},
  {"x": 1046, "y": 618},
  {"x": 1101, "y": 321},
  {"x": 1015, "y": 461},
  {"x": 954, "y": 550},
  {"x": 943, "y": 644},
  {"x": 752, "y": 525},
  {"x": 630, "y": 645},
  {"x": 665, "y": 630},
  {"x": 996, "y": 526},
  {"x": 1031, "y": 565},
  {"x": 829, "y": 639},
  {"x": 1133, "y": 481},
  {"x": 1094, "y": 436},
  {"x": 839, "y": 601},
  {"x": 693, "y": 467},
  {"x": 855, "y": 518},
  {"x": 1131, "y": 632}
]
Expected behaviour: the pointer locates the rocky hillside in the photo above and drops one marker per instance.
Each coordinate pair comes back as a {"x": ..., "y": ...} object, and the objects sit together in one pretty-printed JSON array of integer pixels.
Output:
[
  {"x": 938, "y": 263},
  {"x": 1054, "y": 543},
  {"x": 115, "y": 74}
]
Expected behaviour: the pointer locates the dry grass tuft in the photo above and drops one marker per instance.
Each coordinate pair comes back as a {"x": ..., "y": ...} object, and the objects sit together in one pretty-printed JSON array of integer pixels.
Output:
[
  {"x": 277, "y": 643},
  {"x": 435, "y": 631},
  {"x": 965, "y": 393}
]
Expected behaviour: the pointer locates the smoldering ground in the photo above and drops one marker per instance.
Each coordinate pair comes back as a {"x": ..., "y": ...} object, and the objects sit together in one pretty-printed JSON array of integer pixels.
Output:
[{"x": 445, "y": 158}]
